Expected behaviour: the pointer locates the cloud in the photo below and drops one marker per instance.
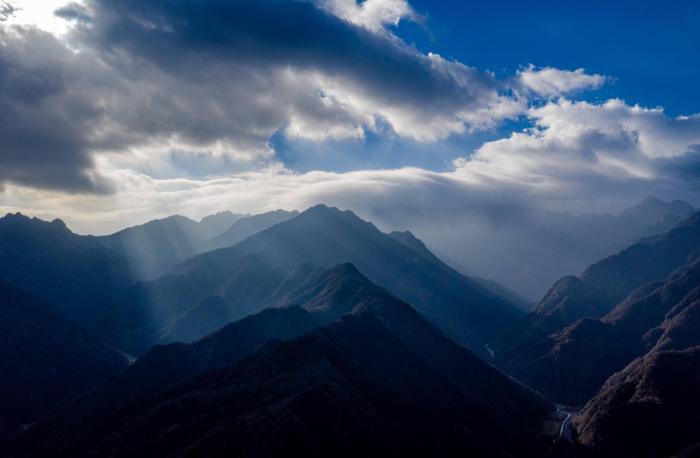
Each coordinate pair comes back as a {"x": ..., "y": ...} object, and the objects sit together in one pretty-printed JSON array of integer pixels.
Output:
[
  {"x": 143, "y": 97},
  {"x": 580, "y": 150},
  {"x": 374, "y": 15},
  {"x": 46, "y": 134},
  {"x": 551, "y": 82},
  {"x": 143, "y": 82},
  {"x": 578, "y": 155}
]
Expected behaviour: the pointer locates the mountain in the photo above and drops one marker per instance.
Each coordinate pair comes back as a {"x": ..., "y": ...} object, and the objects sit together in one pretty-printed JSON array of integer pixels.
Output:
[
  {"x": 75, "y": 274},
  {"x": 653, "y": 212},
  {"x": 381, "y": 379},
  {"x": 244, "y": 228},
  {"x": 252, "y": 273},
  {"x": 156, "y": 246},
  {"x": 45, "y": 358},
  {"x": 650, "y": 409},
  {"x": 493, "y": 287},
  {"x": 578, "y": 334},
  {"x": 215, "y": 224},
  {"x": 528, "y": 248}
]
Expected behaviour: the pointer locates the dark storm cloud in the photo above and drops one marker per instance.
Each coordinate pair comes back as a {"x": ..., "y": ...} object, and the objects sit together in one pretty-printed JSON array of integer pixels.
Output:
[
  {"x": 214, "y": 76},
  {"x": 685, "y": 167},
  {"x": 43, "y": 138},
  {"x": 267, "y": 34}
]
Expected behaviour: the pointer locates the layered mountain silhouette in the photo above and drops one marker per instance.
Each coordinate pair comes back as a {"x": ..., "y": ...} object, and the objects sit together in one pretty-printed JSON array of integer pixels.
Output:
[
  {"x": 45, "y": 359},
  {"x": 650, "y": 407},
  {"x": 75, "y": 274},
  {"x": 256, "y": 272},
  {"x": 380, "y": 379},
  {"x": 294, "y": 334},
  {"x": 528, "y": 248},
  {"x": 215, "y": 224},
  {"x": 155, "y": 247},
  {"x": 244, "y": 228},
  {"x": 590, "y": 326}
]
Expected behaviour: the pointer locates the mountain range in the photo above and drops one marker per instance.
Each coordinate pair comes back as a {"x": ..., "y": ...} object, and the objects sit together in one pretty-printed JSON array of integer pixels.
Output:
[
  {"x": 377, "y": 378},
  {"x": 588, "y": 327},
  {"x": 528, "y": 248},
  {"x": 317, "y": 333},
  {"x": 44, "y": 359},
  {"x": 259, "y": 270}
]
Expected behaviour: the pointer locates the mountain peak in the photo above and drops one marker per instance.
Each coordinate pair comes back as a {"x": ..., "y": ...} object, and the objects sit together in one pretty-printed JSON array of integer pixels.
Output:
[
  {"x": 13, "y": 217},
  {"x": 653, "y": 206},
  {"x": 59, "y": 223},
  {"x": 346, "y": 268},
  {"x": 225, "y": 213}
]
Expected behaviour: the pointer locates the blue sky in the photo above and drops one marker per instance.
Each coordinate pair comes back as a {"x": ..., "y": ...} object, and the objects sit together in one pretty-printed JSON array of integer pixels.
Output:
[
  {"x": 647, "y": 49},
  {"x": 650, "y": 48}
]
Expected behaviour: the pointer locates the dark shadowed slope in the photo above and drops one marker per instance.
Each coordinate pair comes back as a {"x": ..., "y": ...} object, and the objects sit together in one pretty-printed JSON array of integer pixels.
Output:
[
  {"x": 381, "y": 379},
  {"x": 244, "y": 228},
  {"x": 44, "y": 358},
  {"x": 578, "y": 359},
  {"x": 76, "y": 274},
  {"x": 249, "y": 274},
  {"x": 652, "y": 406},
  {"x": 546, "y": 349},
  {"x": 650, "y": 409}
]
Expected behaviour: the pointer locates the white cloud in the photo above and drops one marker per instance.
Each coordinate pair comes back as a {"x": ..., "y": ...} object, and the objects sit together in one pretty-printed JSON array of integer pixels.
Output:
[
  {"x": 38, "y": 13},
  {"x": 373, "y": 15},
  {"x": 583, "y": 150},
  {"x": 602, "y": 155},
  {"x": 550, "y": 82}
]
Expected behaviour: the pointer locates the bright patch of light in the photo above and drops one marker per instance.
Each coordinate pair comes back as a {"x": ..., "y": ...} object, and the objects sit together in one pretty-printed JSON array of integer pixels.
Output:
[{"x": 38, "y": 13}]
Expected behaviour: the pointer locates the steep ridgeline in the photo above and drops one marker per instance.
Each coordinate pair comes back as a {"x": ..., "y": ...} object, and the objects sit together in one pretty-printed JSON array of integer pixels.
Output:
[
  {"x": 244, "y": 228},
  {"x": 491, "y": 286},
  {"x": 213, "y": 225},
  {"x": 156, "y": 246},
  {"x": 381, "y": 379},
  {"x": 44, "y": 358},
  {"x": 253, "y": 273},
  {"x": 75, "y": 274},
  {"x": 652, "y": 406},
  {"x": 544, "y": 349}
]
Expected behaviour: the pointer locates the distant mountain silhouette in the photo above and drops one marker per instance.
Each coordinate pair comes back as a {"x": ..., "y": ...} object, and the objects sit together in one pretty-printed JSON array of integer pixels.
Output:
[
  {"x": 249, "y": 275},
  {"x": 244, "y": 228},
  {"x": 491, "y": 286},
  {"x": 381, "y": 379},
  {"x": 75, "y": 274},
  {"x": 45, "y": 358},
  {"x": 155, "y": 247},
  {"x": 213, "y": 225},
  {"x": 528, "y": 248},
  {"x": 568, "y": 359}
]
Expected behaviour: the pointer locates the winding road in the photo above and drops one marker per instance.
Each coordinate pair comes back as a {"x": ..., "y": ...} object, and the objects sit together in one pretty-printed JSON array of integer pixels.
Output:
[{"x": 565, "y": 430}]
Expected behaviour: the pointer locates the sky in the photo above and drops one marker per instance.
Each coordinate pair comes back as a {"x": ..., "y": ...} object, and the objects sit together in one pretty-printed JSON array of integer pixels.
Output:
[{"x": 114, "y": 112}]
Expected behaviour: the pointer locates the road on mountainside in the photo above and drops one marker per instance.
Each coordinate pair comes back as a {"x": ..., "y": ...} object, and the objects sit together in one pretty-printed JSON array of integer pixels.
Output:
[{"x": 566, "y": 432}]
